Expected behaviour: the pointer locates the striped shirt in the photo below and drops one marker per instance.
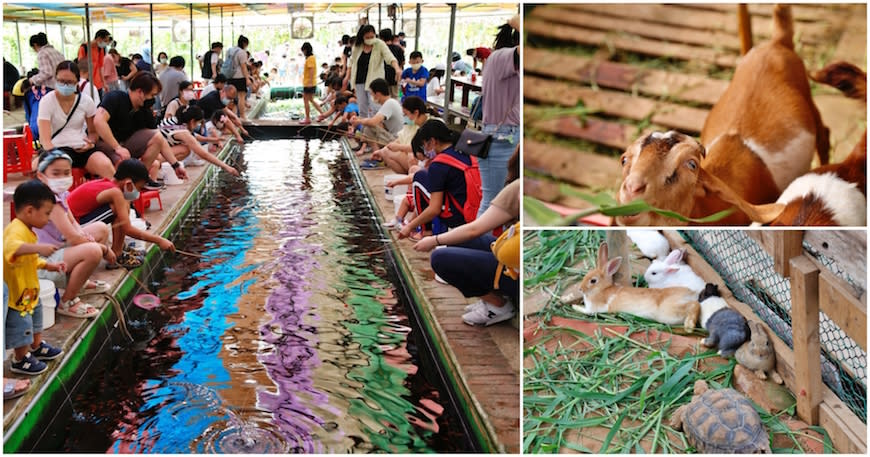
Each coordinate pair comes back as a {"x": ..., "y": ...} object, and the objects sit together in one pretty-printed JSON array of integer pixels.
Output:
[
  {"x": 169, "y": 127},
  {"x": 47, "y": 60}
]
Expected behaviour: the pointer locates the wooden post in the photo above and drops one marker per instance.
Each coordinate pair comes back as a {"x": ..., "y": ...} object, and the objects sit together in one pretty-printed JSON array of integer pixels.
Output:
[
  {"x": 618, "y": 245},
  {"x": 805, "y": 328},
  {"x": 744, "y": 28},
  {"x": 787, "y": 244}
]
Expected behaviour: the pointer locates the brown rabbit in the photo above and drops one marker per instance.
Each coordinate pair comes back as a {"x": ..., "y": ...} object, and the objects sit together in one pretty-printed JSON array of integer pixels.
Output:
[
  {"x": 758, "y": 355},
  {"x": 671, "y": 305}
]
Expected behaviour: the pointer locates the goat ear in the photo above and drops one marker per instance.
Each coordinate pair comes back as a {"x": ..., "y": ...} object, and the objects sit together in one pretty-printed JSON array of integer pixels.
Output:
[
  {"x": 602, "y": 255},
  {"x": 757, "y": 213}
]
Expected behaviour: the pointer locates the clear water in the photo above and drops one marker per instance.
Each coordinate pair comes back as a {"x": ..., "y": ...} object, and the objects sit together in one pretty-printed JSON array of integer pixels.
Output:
[{"x": 287, "y": 337}]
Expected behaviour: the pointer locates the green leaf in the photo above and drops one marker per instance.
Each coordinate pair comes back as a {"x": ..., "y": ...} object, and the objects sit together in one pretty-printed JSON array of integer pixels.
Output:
[{"x": 540, "y": 213}]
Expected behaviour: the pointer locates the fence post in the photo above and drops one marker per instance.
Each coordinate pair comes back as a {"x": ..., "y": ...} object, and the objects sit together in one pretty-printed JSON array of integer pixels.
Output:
[
  {"x": 787, "y": 244},
  {"x": 805, "y": 329}
]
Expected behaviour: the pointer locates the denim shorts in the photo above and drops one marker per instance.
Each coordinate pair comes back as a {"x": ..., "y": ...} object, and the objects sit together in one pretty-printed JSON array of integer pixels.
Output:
[{"x": 20, "y": 329}]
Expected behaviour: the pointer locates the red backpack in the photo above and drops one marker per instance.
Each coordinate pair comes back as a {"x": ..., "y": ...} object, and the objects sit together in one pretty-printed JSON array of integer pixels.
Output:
[{"x": 473, "y": 190}]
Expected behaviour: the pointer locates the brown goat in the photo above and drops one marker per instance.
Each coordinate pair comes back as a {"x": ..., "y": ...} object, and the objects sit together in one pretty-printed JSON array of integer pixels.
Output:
[{"x": 760, "y": 136}]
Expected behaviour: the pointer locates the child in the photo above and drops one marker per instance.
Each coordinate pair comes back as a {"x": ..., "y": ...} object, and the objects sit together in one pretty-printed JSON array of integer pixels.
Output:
[
  {"x": 33, "y": 204},
  {"x": 214, "y": 130},
  {"x": 309, "y": 82},
  {"x": 414, "y": 79},
  {"x": 178, "y": 132}
]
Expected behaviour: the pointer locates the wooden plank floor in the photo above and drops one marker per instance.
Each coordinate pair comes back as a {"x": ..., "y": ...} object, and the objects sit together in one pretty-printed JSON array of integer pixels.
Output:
[
  {"x": 598, "y": 76},
  {"x": 487, "y": 357}
]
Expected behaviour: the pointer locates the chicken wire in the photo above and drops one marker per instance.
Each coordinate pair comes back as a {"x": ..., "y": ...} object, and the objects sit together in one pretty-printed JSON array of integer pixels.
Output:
[{"x": 749, "y": 273}]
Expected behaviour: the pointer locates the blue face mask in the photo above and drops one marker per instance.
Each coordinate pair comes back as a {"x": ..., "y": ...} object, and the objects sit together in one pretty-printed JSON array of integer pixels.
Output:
[
  {"x": 408, "y": 121},
  {"x": 225, "y": 101},
  {"x": 65, "y": 89},
  {"x": 131, "y": 195}
]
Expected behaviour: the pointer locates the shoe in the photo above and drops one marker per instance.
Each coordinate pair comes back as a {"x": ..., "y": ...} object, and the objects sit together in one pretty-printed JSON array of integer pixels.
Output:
[
  {"x": 395, "y": 224},
  {"x": 474, "y": 305},
  {"x": 95, "y": 286},
  {"x": 46, "y": 351},
  {"x": 371, "y": 164},
  {"x": 14, "y": 388},
  {"x": 192, "y": 160},
  {"x": 29, "y": 365},
  {"x": 139, "y": 254},
  {"x": 489, "y": 314},
  {"x": 77, "y": 308},
  {"x": 153, "y": 185},
  {"x": 305, "y": 122}
]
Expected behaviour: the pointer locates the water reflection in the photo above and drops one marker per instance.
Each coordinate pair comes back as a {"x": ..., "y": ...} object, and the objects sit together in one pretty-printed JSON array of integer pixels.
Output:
[{"x": 286, "y": 337}]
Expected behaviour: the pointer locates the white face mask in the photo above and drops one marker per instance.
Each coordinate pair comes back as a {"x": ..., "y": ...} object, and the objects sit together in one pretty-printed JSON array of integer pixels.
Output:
[
  {"x": 416, "y": 66},
  {"x": 60, "y": 185},
  {"x": 188, "y": 95},
  {"x": 369, "y": 41}
]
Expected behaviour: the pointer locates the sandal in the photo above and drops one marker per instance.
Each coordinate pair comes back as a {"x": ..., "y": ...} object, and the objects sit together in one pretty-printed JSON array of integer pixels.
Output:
[
  {"x": 14, "y": 388},
  {"x": 96, "y": 286},
  {"x": 77, "y": 308}
]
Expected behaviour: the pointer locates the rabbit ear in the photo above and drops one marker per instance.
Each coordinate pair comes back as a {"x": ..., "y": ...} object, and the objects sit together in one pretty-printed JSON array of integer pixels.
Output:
[
  {"x": 674, "y": 257},
  {"x": 613, "y": 265},
  {"x": 602, "y": 255}
]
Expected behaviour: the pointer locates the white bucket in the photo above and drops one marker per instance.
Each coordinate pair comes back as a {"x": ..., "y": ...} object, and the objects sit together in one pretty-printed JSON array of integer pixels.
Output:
[
  {"x": 48, "y": 297},
  {"x": 169, "y": 175},
  {"x": 397, "y": 204},
  {"x": 135, "y": 243},
  {"x": 399, "y": 189}
]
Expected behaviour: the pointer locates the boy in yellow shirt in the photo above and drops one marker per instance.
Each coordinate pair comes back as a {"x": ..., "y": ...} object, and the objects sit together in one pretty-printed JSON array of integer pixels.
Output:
[{"x": 33, "y": 204}]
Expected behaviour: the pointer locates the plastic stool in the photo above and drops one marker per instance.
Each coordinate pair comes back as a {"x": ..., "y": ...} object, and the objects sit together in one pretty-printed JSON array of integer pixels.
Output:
[
  {"x": 17, "y": 153},
  {"x": 144, "y": 201},
  {"x": 79, "y": 178}
]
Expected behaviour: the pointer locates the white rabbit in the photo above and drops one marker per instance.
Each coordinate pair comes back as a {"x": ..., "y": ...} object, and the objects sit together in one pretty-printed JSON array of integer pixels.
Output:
[
  {"x": 650, "y": 242},
  {"x": 672, "y": 272}
]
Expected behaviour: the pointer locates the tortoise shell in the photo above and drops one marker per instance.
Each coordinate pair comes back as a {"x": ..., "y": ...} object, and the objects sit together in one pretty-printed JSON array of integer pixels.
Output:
[{"x": 723, "y": 422}]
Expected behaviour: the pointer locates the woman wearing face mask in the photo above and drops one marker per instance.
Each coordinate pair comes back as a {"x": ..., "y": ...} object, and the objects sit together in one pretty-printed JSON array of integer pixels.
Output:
[
  {"x": 366, "y": 63},
  {"x": 63, "y": 115},
  {"x": 185, "y": 96},
  {"x": 108, "y": 201},
  {"x": 162, "y": 63},
  {"x": 81, "y": 248},
  {"x": 397, "y": 155},
  {"x": 439, "y": 191}
]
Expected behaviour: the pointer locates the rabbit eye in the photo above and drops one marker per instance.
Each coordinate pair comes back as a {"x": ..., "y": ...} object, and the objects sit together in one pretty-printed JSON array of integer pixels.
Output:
[
  {"x": 593, "y": 280},
  {"x": 624, "y": 159},
  {"x": 654, "y": 273}
]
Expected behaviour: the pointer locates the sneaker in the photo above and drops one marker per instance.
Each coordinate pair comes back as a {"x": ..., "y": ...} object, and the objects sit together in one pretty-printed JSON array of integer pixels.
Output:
[
  {"x": 153, "y": 185},
  {"x": 46, "y": 351},
  {"x": 488, "y": 314},
  {"x": 396, "y": 223},
  {"x": 371, "y": 164},
  {"x": 474, "y": 306},
  {"x": 192, "y": 160},
  {"x": 29, "y": 365}
]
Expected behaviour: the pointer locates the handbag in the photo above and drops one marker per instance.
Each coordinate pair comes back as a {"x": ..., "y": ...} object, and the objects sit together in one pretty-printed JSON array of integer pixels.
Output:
[{"x": 474, "y": 143}]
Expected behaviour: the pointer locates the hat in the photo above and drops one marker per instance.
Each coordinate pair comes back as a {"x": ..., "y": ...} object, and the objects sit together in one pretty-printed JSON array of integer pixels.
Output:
[
  {"x": 17, "y": 90},
  {"x": 440, "y": 66},
  {"x": 455, "y": 56}
]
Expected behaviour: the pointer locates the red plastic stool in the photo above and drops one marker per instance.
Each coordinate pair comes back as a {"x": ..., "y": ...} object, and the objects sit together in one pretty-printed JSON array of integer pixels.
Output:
[
  {"x": 17, "y": 153},
  {"x": 144, "y": 201},
  {"x": 79, "y": 178}
]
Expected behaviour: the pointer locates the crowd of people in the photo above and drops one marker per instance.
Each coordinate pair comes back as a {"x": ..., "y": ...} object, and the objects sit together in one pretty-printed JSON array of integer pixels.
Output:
[{"x": 118, "y": 119}]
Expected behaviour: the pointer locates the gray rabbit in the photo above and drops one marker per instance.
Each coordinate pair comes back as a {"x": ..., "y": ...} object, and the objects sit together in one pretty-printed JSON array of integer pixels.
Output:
[
  {"x": 758, "y": 355},
  {"x": 727, "y": 328}
]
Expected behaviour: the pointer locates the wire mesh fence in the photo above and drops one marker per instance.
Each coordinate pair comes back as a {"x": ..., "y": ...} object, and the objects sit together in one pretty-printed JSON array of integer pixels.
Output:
[{"x": 749, "y": 273}]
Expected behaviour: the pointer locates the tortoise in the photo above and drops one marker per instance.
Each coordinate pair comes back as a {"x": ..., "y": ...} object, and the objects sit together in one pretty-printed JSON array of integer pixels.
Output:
[{"x": 721, "y": 422}]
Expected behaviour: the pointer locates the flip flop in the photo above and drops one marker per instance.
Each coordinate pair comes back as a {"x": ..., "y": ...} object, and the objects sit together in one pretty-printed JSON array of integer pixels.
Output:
[{"x": 9, "y": 388}]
